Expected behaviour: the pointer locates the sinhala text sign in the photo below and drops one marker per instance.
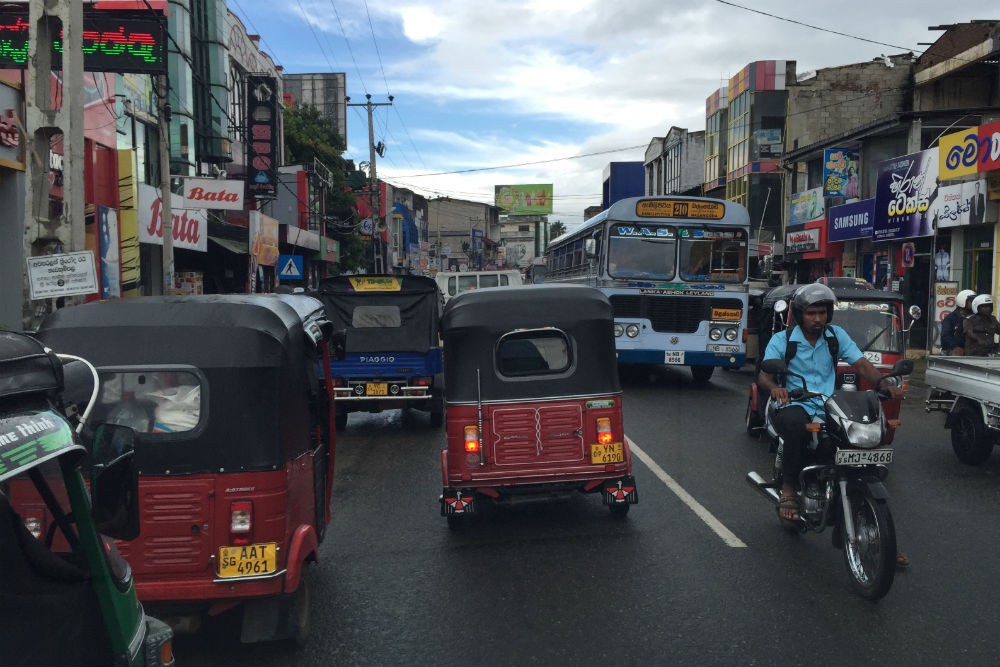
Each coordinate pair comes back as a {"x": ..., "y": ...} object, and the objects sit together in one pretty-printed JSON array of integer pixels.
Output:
[{"x": 67, "y": 274}]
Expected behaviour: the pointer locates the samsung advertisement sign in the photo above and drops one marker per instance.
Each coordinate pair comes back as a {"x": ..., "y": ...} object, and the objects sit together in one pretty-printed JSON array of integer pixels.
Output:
[{"x": 852, "y": 221}]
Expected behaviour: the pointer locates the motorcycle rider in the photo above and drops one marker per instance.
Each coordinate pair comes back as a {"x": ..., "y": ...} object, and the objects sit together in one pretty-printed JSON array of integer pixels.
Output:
[
  {"x": 812, "y": 311},
  {"x": 981, "y": 329},
  {"x": 952, "y": 335}
]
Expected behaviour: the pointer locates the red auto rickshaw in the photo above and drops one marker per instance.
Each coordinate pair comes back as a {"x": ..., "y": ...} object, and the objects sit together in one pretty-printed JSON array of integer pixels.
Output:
[
  {"x": 231, "y": 400},
  {"x": 533, "y": 401}
]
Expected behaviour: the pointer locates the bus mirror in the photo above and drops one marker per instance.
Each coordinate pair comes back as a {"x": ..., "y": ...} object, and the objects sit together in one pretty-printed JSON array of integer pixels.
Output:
[
  {"x": 589, "y": 248},
  {"x": 114, "y": 482}
]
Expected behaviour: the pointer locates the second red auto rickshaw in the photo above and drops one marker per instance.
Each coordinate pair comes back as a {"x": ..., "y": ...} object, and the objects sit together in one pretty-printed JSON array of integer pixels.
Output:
[
  {"x": 534, "y": 405},
  {"x": 231, "y": 399}
]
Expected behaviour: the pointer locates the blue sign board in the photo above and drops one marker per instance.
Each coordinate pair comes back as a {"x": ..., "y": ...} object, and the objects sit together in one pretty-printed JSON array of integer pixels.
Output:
[
  {"x": 904, "y": 193},
  {"x": 290, "y": 267},
  {"x": 851, "y": 221}
]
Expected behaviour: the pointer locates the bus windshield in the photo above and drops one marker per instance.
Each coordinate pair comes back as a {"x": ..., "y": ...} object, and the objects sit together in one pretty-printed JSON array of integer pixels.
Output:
[
  {"x": 637, "y": 257},
  {"x": 713, "y": 255}
]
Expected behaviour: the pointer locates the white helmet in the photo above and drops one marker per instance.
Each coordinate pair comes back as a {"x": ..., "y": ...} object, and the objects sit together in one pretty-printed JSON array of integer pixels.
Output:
[
  {"x": 982, "y": 300},
  {"x": 963, "y": 298}
]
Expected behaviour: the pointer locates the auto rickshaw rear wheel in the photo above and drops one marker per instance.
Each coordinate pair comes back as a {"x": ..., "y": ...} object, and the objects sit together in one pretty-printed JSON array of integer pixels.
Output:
[{"x": 299, "y": 611}]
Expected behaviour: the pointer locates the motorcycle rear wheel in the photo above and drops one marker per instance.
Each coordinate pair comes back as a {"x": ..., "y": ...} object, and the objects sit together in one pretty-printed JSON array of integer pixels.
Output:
[{"x": 871, "y": 563}]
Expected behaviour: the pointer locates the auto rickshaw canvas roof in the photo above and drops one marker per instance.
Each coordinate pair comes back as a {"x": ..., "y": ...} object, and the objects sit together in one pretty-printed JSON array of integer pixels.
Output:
[
  {"x": 526, "y": 306},
  {"x": 242, "y": 330}
]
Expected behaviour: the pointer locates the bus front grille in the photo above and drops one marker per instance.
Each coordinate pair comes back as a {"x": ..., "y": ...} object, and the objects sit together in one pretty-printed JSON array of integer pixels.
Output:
[{"x": 670, "y": 314}]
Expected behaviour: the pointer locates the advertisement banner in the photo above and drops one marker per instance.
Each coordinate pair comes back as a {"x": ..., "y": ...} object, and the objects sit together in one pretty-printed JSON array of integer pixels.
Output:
[
  {"x": 524, "y": 199},
  {"x": 262, "y": 137},
  {"x": 807, "y": 206},
  {"x": 852, "y": 221},
  {"x": 107, "y": 222},
  {"x": 769, "y": 143},
  {"x": 960, "y": 204},
  {"x": 66, "y": 274},
  {"x": 190, "y": 227},
  {"x": 840, "y": 173},
  {"x": 213, "y": 193},
  {"x": 802, "y": 240},
  {"x": 263, "y": 238},
  {"x": 966, "y": 152},
  {"x": 904, "y": 190}
]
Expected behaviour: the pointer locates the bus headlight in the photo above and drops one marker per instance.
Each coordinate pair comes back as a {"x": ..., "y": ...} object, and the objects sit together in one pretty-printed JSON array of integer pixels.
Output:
[
  {"x": 731, "y": 334},
  {"x": 619, "y": 330},
  {"x": 715, "y": 333},
  {"x": 632, "y": 330}
]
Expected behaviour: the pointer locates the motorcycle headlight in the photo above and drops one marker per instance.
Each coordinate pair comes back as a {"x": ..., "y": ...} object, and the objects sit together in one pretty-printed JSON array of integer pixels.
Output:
[{"x": 865, "y": 436}]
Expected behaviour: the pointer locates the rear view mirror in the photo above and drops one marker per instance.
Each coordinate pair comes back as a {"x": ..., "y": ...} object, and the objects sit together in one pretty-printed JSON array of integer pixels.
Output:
[
  {"x": 114, "y": 482},
  {"x": 780, "y": 306},
  {"x": 773, "y": 366},
  {"x": 915, "y": 312},
  {"x": 903, "y": 366}
]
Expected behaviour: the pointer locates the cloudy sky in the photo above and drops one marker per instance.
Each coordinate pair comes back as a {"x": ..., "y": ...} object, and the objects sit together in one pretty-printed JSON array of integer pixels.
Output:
[{"x": 491, "y": 92}]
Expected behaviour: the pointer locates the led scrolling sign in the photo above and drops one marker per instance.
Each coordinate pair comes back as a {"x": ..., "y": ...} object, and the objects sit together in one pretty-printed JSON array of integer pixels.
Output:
[{"x": 113, "y": 41}]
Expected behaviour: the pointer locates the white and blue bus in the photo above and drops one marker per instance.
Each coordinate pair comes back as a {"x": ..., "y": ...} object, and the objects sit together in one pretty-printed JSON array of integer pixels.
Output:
[{"x": 675, "y": 270}]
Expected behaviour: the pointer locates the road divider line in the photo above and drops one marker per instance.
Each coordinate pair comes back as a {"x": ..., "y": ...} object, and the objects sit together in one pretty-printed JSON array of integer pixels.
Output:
[{"x": 727, "y": 535}]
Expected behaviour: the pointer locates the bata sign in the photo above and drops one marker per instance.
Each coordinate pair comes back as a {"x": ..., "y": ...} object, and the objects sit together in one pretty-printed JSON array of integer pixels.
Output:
[
  {"x": 213, "y": 193},
  {"x": 190, "y": 227}
]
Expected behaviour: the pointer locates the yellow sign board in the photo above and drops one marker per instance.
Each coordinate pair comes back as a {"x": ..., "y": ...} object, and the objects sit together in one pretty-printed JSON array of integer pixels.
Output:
[
  {"x": 952, "y": 148},
  {"x": 680, "y": 208},
  {"x": 375, "y": 284},
  {"x": 727, "y": 314}
]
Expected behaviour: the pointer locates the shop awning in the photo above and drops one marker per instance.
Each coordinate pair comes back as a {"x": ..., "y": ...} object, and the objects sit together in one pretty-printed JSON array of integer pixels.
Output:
[{"x": 238, "y": 247}]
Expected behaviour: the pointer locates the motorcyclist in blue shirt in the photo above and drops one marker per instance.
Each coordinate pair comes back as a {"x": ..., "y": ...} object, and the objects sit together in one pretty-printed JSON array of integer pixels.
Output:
[{"x": 812, "y": 311}]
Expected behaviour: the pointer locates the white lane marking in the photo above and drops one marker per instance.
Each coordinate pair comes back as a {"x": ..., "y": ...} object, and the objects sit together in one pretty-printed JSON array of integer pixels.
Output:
[{"x": 727, "y": 536}]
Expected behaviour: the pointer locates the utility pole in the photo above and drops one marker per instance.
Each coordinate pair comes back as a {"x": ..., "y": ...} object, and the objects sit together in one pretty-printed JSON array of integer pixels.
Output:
[
  {"x": 166, "y": 210},
  {"x": 378, "y": 257}
]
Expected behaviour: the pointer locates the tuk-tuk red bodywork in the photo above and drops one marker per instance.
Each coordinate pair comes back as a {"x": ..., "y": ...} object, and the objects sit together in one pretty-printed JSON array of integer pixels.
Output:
[
  {"x": 262, "y": 448},
  {"x": 540, "y": 424}
]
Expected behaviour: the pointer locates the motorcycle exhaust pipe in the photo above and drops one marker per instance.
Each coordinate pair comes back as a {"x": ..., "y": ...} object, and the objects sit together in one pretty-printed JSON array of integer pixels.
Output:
[{"x": 765, "y": 488}]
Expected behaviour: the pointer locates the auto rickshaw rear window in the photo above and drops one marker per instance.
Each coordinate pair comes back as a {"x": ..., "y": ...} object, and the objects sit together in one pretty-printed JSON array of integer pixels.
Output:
[
  {"x": 533, "y": 353},
  {"x": 164, "y": 401},
  {"x": 376, "y": 317}
]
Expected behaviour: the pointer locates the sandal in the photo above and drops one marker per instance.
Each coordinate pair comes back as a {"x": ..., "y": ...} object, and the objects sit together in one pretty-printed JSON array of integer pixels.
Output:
[
  {"x": 788, "y": 508},
  {"x": 902, "y": 562}
]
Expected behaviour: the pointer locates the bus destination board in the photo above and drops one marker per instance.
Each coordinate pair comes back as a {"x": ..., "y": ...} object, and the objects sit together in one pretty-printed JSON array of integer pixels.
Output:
[{"x": 680, "y": 208}]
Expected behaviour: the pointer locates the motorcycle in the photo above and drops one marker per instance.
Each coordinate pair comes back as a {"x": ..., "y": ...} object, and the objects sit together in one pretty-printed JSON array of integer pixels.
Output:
[{"x": 840, "y": 486}]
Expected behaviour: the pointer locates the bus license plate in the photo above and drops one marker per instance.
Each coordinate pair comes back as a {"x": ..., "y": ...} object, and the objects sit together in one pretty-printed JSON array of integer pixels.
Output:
[
  {"x": 248, "y": 560},
  {"x": 724, "y": 348},
  {"x": 860, "y": 457},
  {"x": 613, "y": 452},
  {"x": 376, "y": 389},
  {"x": 673, "y": 357}
]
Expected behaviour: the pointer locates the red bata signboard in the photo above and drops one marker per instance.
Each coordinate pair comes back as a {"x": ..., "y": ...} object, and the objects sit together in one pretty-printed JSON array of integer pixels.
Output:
[
  {"x": 113, "y": 41},
  {"x": 262, "y": 137},
  {"x": 213, "y": 193}
]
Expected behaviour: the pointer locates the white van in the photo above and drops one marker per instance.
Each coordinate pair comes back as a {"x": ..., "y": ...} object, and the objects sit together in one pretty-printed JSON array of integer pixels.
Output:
[{"x": 453, "y": 283}]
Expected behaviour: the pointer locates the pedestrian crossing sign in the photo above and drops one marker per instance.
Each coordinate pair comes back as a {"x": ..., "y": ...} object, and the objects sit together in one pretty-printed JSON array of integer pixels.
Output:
[{"x": 290, "y": 267}]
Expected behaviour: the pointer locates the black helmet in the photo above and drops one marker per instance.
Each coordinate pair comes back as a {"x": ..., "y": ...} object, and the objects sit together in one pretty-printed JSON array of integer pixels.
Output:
[{"x": 813, "y": 294}]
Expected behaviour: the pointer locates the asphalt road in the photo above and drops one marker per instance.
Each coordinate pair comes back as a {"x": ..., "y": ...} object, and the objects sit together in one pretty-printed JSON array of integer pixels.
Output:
[{"x": 699, "y": 573}]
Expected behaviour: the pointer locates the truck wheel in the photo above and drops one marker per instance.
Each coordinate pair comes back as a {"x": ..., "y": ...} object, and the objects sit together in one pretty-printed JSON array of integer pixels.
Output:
[
  {"x": 969, "y": 439},
  {"x": 341, "y": 420},
  {"x": 701, "y": 374}
]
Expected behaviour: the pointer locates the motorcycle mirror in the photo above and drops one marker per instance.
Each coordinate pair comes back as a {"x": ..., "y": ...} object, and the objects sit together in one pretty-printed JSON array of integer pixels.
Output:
[
  {"x": 774, "y": 366},
  {"x": 915, "y": 312},
  {"x": 903, "y": 366}
]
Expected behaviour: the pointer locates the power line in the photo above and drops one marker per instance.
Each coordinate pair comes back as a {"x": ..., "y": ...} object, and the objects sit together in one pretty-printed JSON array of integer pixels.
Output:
[{"x": 525, "y": 164}]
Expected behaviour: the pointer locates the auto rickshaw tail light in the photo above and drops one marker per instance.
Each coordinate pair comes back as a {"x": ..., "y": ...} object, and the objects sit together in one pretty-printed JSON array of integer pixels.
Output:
[
  {"x": 471, "y": 439},
  {"x": 604, "y": 435},
  {"x": 241, "y": 523}
]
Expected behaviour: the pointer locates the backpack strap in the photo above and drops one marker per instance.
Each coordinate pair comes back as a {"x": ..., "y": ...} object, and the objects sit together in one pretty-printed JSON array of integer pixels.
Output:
[{"x": 792, "y": 346}]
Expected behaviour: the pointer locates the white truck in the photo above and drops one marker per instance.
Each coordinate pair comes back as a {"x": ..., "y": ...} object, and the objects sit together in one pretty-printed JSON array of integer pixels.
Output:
[{"x": 968, "y": 389}]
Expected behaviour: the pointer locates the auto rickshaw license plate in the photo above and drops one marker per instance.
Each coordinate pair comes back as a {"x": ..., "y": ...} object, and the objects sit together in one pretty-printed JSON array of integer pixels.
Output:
[
  {"x": 376, "y": 389},
  {"x": 613, "y": 452},
  {"x": 248, "y": 560}
]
